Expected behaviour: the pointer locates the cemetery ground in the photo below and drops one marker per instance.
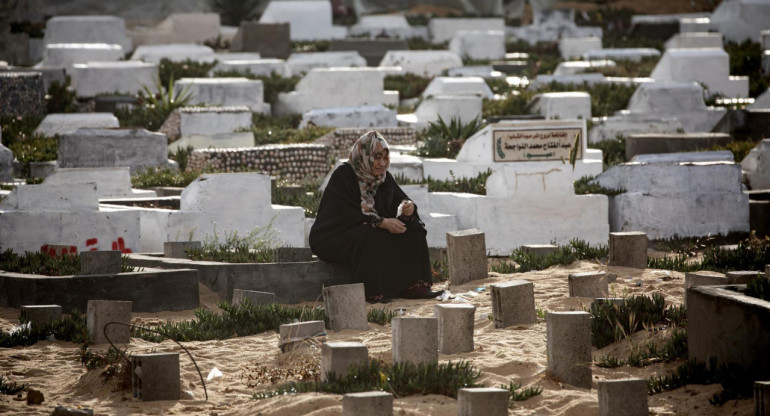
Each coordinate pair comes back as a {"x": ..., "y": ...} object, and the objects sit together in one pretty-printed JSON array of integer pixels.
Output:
[{"x": 254, "y": 364}]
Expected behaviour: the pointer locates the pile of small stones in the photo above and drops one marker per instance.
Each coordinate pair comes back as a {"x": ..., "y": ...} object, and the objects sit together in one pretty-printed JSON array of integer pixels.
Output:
[
  {"x": 341, "y": 140},
  {"x": 288, "y": 161}
]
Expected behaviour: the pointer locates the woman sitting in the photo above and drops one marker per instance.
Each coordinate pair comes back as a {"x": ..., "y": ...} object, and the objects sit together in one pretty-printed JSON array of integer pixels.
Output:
[{"x": 366, "y": 222}]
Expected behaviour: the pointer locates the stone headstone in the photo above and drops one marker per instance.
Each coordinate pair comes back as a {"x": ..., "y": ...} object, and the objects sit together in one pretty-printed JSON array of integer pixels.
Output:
[
  {"x": 540, "y": 250},
  {"x": 346, "y": 307},
  {"x": 628, "y": 249},
  {"x": 374, "y": 116},
  {"x": 337, "y": 357},
  {"x": 467, "y": 256},
  {"x": 695, "y": 40},
  {"x": 392, "y": 26},
  {"x": 368, "y": 403},
  {"x": 308, "y": 20},
  {"x": 300, "y": 334},
  {"x": 458, "y": 86},
  {"x": 64, "y": 55},
  {"x": 155, "y": 376},
  {"x": 302, "y": 62},
  {"x": 415, "y": 340},
  {"x": 741, "y": 277},
  {"x": 177, "y": 52},
  {"x": 740, "y": 20},
  {"x": 99, "y": 313},
  {"x": 588, "y": 284},
  {"x": 209, "y": 121},
  {"x": 513, "y": 303},
  {"x": 569, "y": 347},
  {"x": 709, "y": 66},
  {"x": 422, "y": 63},
  {"x": 455, "y": 327},
  {"x": 626, "y": 397},
  {"x": 87, "y": 29},
  {"x": 563, "y": 105},
  {"x": 464, "y": 108},
  {"x": 41, "y": 314},
  {"x": 54, "y": 124},
  {"x": 225, "y": 92},
  {"x": 444, "y": 29},
  {"x": 571, "y": 48},
  {"x": 482, "y": 401},
  {"x": 372, "y": 50},
  {"x": 271, "y": 40},
  {"x": 178, "y": 249},
  {"x": 53, "y": 198},
  {"x": 92, "y": 148},
  {"x": 255, "y": 67},
  {"x": 479, "y": 44},
  {"x": 101, "y": 262},
  {"x": 123, "y": 77},
  {"x": 618, "y": 54},
  {"x": 21, "y": 94},
  {"x": 756, "y": 166}
]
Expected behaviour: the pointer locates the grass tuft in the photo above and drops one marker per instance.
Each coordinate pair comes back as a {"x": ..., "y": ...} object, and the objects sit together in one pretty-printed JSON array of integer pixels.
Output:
[
  {"x": 527, "y": 261},
  {"x": 10, "y": 388}
]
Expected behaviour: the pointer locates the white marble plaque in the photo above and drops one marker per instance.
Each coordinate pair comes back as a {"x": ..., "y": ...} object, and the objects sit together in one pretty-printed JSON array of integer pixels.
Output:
[{"x": 532, "y": 144}]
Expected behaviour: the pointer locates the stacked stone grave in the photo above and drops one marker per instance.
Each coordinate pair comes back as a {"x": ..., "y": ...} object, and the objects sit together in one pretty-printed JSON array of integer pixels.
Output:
[
  {"x": 291, "y": 161},
  {"x": 709, "y": 66},
  {"x": 339, "y": 141}
]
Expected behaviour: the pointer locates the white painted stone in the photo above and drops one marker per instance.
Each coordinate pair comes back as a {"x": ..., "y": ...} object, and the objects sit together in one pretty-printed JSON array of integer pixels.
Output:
[
  {"x": 136, "y": 148},
  {"x": 479, "y": 44},
  {"x": 66, "y": 123},
  {"x": 87, "y": 29},
  {"x": 444, "y": 29},
  {"x": 761, "y": 102},
  {"x": 695, "y": 40},
  {"x": 392, "y": 25},
  {"x": 677, "y": 199},
  {"x": 78, "y": 197},
  {"x": 611, "y": 127},
  {"x": 207, "y": 121},
  {"x": 483, "y": 71},
  {"x": 458, "y": 86},
  {"x": 6, "y": 163},
  {"x": 579, "y": 67},
  {"x": 336, "y": 87},
  {"x": 462, "y": 107},
  {"x": 302, "y": 62},
  {"x": 438, "y": 224},
  {"x": 225, "y": 92},
  {"x": 110, "y": 182},
  {"x": 563, "y": 105},
  {"x": 739, "y": 20},
  {"x": 764, "y": 39},
  {"x": 375, "y": 115},
  {"x": 179, "y": 28},
  {"x": 766, "y": 61},
  {"x": 710, "y": 156},
  {"x": 628, "y": 54},
  {"x": 756, "y": 166},
  {"x": 577, "y": 79},
  {"x": 237, "y": 56},
  {"x": 709, "y": 66},
  {"x": 575, "y": 47},
  {"x": 694, "y": 24},
  {"x": 64, "y": 55},
  {"x": 219, "y": 141},
  {"x": 258, "y": 67},
  {"x": 550, "y": 25},
  {"x": 126, "y": 77},
  {"x": 422, "y": 63},
  {"x": 309, "y": 19},
  {"x": 176, "y": 52}
]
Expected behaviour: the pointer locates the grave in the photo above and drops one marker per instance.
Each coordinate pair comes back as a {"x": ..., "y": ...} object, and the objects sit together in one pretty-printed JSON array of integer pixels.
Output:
[
  {"x": 111, "y": 183},
  {"x": 455, "y": 327},
  {"x": 372, "y": 50},
  {"x": 627, "y": 397},
  {"x": 179, "y": 28},
  {"x": 429, "y": 63},
  {"x": 704, "y": 278},
  {"x": 740, "y": 20},
  {"x": 6, "y": 163},
  {"x": 588, "y": 285},
  {"x": 708, "y": 66},
  {"x": 253, "y": 296},
  {"x": 374, "y": 116},
  {"x": 256, "y": 67},
  {"x": 388, "y": 26},
  {"x": 444, "y": 29},
  {"x": 176, "y": 52},
  {"x": 308, "y": 19},
  {"x": 458, "y": 86},
  {"x": 337, "y": 357},
  {"x": 336, "y": 87},
  {"x": 368, "y": 403},
  {"x": 702, "y": 156},
  {"x": 695, "y": 24},
  {"x": 513, "y": 303},
  {"x": 569, "y": 347},
  {"x": 762, "y": 398},
  {"x": 299, "y": 334},
  {"x": 41, "y": 314},
  {"x": 302, "y": 62},
  {"x": 415, "y": 340},
  {"x": 479, "y": 44},
  {"x": 482, "y": 401},
  {"x": 155, "y": 376},
  {"x": 213, "y": 121},
  {"x": 689, "y": 199},
  {"x": 571, "y": 48},
  {"x": 136, "y": 148},
  {"x": 741, "y": 277},
  {"x": 467, "y": 256},
  {"x": 87, "y": 29},
  {"x": 437, "y": 224},
  {"x": 269, "y": 39},
  {"x": 540, "y": 250},
  {"x": 618, "y": 54},
  {"x": 54, "y": 124},
  {"x": 756, "y": 166},
  {"x": 628, "y": 249},
  {"x": 22, "y": 94},
  {"x": 346, "y": 307},
  {"x": 226, "y": 92},
  {"x": 100, "y": 313},
  {"x": 695, "y": 40},
  {"x": 483, "y": 71},
  {"x": 550, "y": 25},
  {"x": 64, "y": 55},
  {"x": 569, "y": 68},
  {"x": 563, "y": 105},
  {"x": 576, "y": 79},
  {"x": 101, "y": 262},
  {"x": 178, "y": 249},
  {"x": 464, "y": 108},
  {"x": 124, "y": 77}
]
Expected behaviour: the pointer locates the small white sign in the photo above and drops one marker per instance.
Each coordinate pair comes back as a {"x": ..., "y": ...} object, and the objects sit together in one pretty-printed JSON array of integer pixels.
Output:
[{"x": 533, "y": 144}]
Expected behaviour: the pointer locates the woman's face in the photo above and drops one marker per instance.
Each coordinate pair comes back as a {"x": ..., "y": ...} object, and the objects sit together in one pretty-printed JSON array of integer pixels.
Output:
[{"x": 381, "y": 162}]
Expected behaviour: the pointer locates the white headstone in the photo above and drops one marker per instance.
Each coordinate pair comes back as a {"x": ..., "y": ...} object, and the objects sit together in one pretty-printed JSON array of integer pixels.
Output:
[
  {"x": 695, "y": 40},
  {"x": 110, "y": 182},
  {"x": 126, "y": 77},
  {"x": 299, "y": 63},
  {"x": 479, "y": 44},
  {"x": 87, "y": 29},
  {"x": 67, "y": 123},
  {"x": 225, "y": 92},
  {"x": 458, "y": 86},
  {"x": 257, "y": 67},
  {"x": 575, "y": 47},
  {"x": 309, "y": 19},
  {"x": 563, "y": 105},
  {"x": 444, "y": 29},
  {"x": 739, "y": 20},
  {"x": 422, "y": 63},
  {"x": 376, "y": 115},
  {"x": 708, "y": 66},
  {"x": 64, "y": 55},
  {"x": 177, "y": 52}
]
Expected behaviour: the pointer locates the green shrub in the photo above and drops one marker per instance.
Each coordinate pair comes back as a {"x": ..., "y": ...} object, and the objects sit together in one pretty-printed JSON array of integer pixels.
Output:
[
  {"x": 61, "y": 97},
  {"x": 606, "y": 99},
  {"x": 267, "y": 122},
  {"x": 233, "y": 12},
  {"x": 45, "y": 264},
  {"x": 408, "y": 85},
  {"x": 181, "y": 155},
  {"x": 310, "y": 45},
  {"x": 255, "y": 247},
  {"x": 517, "y": 395},
  {"x": 543, "y": 56},
  {"x": 169, "y": 70},
  {"x": 613, "y": 151},
  {"x": 37, "y": 148},
  {"x": 612, "y": 322},
  {"x": 380, "y": 316},
  {"x": 10, "y": 388},
  {"x": 626, "y": 68},
  {"x": 154, "y": 106},
  {"x": 310, "y": 199},
  {"x": 446, "y": 140},
  {"x": 746, "y": 59},
  {"x": 528, "y": 261},
  {"x": 18, "y": 128},
  {"x": 584, "y": 186},
  {"x": 514, "y": 103},
  {"x": 70, "y": 328},
  {"x": 163, "y": 177},
  {"x": 750, "y": 254},
  {"x": 759, "y": 288},
  {"x": 673, "y": 349}
]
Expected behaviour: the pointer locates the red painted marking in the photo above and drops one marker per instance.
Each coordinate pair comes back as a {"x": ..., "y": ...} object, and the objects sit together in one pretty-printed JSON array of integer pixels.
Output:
[
  {"x": 52, "y": 252},
  {"x": 92, "y": 241},
  {"x": 114, "y": 245},
  {"x": 73, "y": 249}
]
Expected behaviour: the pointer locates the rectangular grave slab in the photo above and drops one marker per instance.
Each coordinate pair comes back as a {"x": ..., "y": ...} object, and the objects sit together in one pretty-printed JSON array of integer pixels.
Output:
[
  {"x": 336, "y": 357},
  {"x": 628, "y": 249},
  {"x": 482, "y": 401},
  {"x": 626, "y": 397},
  {"x": 513, "y": 303},
  {"x": 569, "y": 347},
  {"x": 368, "y": 403},
  {"x": 638, "y": 144},
  {"x": 41, "y": 314},
  {"x": 94, "y": 148},
  {"x": 415, "y": 340},
  {"x": 99, "y": 316},
  {"x": 741, "y": 277},
  {"x": 540, "y": 250},
  {"x": 588, "y": 285},
  {"x": 300, "y": 334},
  {"x": 155, "y": 376},
  {"x": 178, "y": 249},
  {"x": 466, "y": 251}
]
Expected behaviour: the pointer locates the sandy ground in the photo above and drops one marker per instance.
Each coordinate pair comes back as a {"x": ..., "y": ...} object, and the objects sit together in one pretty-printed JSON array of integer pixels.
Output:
[{"x": 248, "y": 363}]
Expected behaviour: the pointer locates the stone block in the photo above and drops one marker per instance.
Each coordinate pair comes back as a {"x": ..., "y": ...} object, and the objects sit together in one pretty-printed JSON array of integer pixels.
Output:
[
  {"x": 368, "y": 403},
  {"x": 99, "y": 313},
  {"x": 87, "y": 29},
  {"x": 179, "y": 249},
  {"x": 568, "y": 343},
  {"x": 482, "y": 401},
  {"x": 513, "y": 303},
  {"x": 93, "y": 148},
  {"x": 298, "y": 334},
  {"x": 455, "y": 327},
  {"x": 22, "y": 94},
  {"x": 628, "y": 249},
  {"x": 41, "y": 314},
  {"x": 444, "y": 29},
  {"x": 465, "y": 108},
  {"x": 479, "y": 44},
  {"x": 271, "y": 40},
  {"x": 393, "y": 26},
  {"x": 374, "y": 116},
  {"x": 60, "y": 124},
  {"x": 209, "y": 121},
  {"x": 762, "y": 398},
  {"x": 124, "y": 77},
  {"x": 540, "y": 250},
  {"x": 302, "y": 62},
  {"x": 337, "y": 357},
  {"x": 588, "y": 285},
  {"x": 179, "y": 28},
  {"x": 695, "y": 40},
  {"x": 563, "y": 105},
  {"x": 293, "y": 254},
  {"x": 708, "y": 66},
  {"x": 623, "y": 397},
  {"x": 101, "y": 262},
  {"x": 53, "y": 198},
  {"x": 759, "y": 217},
  {"x": 415, "y": 340},
  {"x": 422, "y": 63},
  {"x": 346, "y": 307},
  {"x": 571, "y": 48},
  {"x": 257, "y": 67},
  {"x": 637, "y": 144},
  {"x": 155, "y": 376},
  {"x": 467, "y": 255},
  {"x": 64, "y": 55},
  {"x": 458, "y": 86},
  {"x": 255, "y": 297},
  {"x": 373, "y": 50},
  {"x": 177, "y": 52},
  {"x": 741, "y": 277},
  {"x": 308, "y": 20},
  {"x": 225, "y": 92}
]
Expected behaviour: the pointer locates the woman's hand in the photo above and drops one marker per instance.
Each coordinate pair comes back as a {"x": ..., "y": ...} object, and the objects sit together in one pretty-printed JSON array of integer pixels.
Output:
[
  {"x": 407, "y": 208},
  {"x": 393, "y": 226}
]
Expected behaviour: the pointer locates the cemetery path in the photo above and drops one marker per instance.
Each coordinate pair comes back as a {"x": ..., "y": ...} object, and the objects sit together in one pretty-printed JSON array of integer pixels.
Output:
[{"x": 254, "y": 363}]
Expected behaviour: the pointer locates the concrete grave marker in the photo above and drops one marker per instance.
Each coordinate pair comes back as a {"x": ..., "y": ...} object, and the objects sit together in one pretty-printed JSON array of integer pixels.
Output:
[
  {"x": 540, "y": 250},
  {"x": 302, "y": 62},
  {"x": 346, "y": 307},
  {"x": 444, "y": 29},
  {"x": 136, "y": 148},
  {"x": 54, "y": 124},
  {"x": 41, "y": 314},
  {"x": 308, "y": 20},
  {"x": 455, "y": 327},
  {"x": 87, "y": 29},
  {"x": 627, "y": 397},
  {"x": 709, "y": 66},
  {"x": 226, "y": 92},
  {"x": 569, "y": 347},
  {"x": 467, "y": 256},
  {"x": 368, "y": 403},
  {"x": 300, "y": 334},
  {"x": 336, "y": 357},
  {"x": 101, "y": 262},
  {"x": 155, "y": 376},
  {"x": 125, "y": 77},
  {"x": 422, "y": 63},
  {"x": 415, "y": 340},
  {"x": 64, "y": 55},
  {"x": 513, "y": 303},
  {"x": 482, "y": 401},
  {"x": 373, "y": 50},
  {"x": 628, "y": 249},
  {"x": 762, "y": 398},
  {"x": 100, "y": 313},
  {"x": 177, "y": 52},
  {"x": 271, "y": 40},
  {"x": 479, "y": 44},
  {"x": 588, "y": 284},
  {"x": 22, "y": 94},
  {"x": 179, "y": 28}
]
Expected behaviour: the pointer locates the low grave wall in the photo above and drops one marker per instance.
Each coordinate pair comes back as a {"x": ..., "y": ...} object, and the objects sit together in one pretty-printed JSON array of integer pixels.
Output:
[
  {"x": 341, "y": 140},
  {"x": 294, "y": 161}
]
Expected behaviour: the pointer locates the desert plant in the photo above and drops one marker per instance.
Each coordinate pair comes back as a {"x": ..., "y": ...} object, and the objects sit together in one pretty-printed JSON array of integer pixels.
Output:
[
  {"x": 233, "y": 12},
  {"x": 380, "y": 316},
  {"x": 575, "y": 250},
  {"x": 10, "y": 388},
  {"x": 40, "y": 262},
  {"x": 180, "y": 155},
  {"x": 408, "y": 85},
  {"x": 584, "y": 186},
  {"x": 255, "y": 247},
  {"x": 60, "y": 97},
  {"x": 446, "y": 140},
  {"x": 519, "y": 395},
  {"x": 612, "y": 322},
  {"x": 613, "y": 151},
  {"x": 169, "y": 70},
  {"x": 71, "y": 328},
  {"x": 151, "y": 177}
]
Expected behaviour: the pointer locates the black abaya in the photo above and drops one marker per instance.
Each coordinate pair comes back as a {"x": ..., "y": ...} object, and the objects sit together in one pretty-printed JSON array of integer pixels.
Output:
[{"x": 385, "y": 263}]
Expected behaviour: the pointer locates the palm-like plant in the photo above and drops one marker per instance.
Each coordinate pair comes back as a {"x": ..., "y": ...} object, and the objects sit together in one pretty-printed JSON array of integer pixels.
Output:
[
  {"x": 446, "y": 140},
  {"x": 233, "y": 12},
  {"x": 161, "y": 102}
]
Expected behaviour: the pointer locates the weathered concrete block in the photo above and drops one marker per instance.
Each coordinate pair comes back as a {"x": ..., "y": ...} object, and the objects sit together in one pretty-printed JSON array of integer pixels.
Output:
[
  {"x": 6, "y": 163},
  {"x": 125, "y": 77},
  {"x": 623, "y": 397},
  {"x": 455, "y": 327},
  {"x": 297, "y": 334},
  {"x": 346, "y": 307},
  {"x": 368, "y": 403},
  {"x": 569, "y": 347},
  {"x": 178, "y": 249},
  {"x": 540, "y": 250},
  {"x": 41, "y": 314},
  {"x": 637, "y": 144},
  {"x": 513, "y": 303},
  {"x": 482, "y": 401},
  {"x": 94, "y": 148},
  {"x": 467, "y": 254},
  {"x": 588, "y": 285},
  {"x": 336, "y": 357},
  {"x": 101, "y": 262},
  {"x": 100, "y": 313},
  {"x": 21, "y": 94},
  {"x": 269, "y": 39},
  {"x": 704, "y": 278},
  {"x": 293, "y": 254},
  {"x": 255, "y": 297},
  {"x": 762, "y": 398},
  {"x": 741, "y": 277},
  {"x": 155, "y": 376},
  {"x": 628, "y": 249},
  {"x": 415, "y": 340}
]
